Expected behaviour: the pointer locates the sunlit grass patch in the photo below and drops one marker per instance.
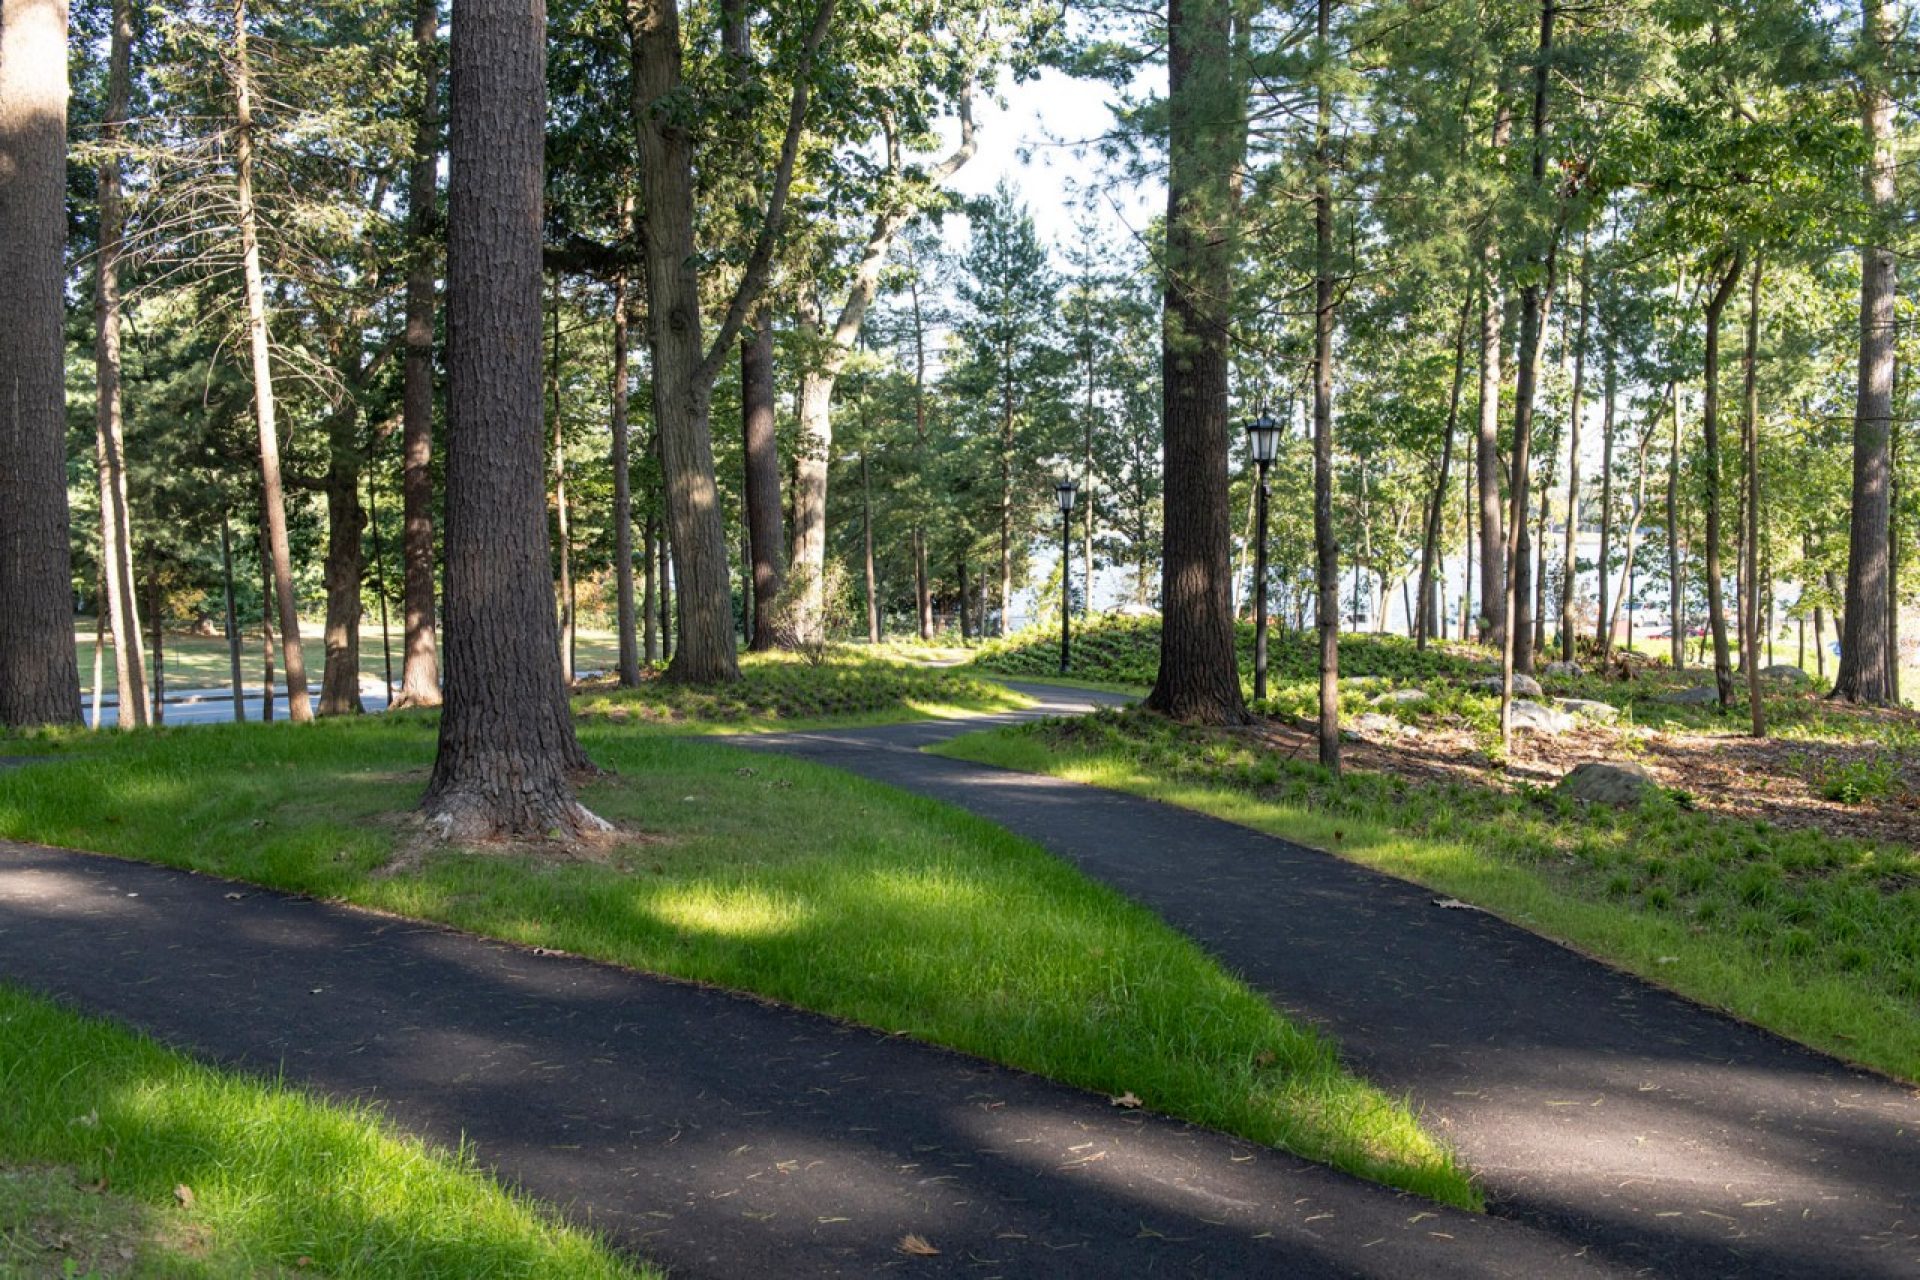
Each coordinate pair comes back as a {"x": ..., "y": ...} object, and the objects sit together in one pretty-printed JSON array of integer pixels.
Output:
[
  {"x": 1813, "y": 935},
  {"x": 769, "y": 875},
  {"x": 785, "y": 691},
  {"x": 152, "y": 1164}
]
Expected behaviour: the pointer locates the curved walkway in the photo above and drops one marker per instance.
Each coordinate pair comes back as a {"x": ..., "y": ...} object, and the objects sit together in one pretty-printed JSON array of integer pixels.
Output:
[
  {"x": 1636, "y": 1126},
  {"x": 720, "y": 1135}
]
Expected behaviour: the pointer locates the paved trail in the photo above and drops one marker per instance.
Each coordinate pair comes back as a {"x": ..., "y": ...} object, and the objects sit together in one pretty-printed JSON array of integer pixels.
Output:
[
  {"x": 1647, "y": 1130},
  {"x": 720, "y": 1135}
]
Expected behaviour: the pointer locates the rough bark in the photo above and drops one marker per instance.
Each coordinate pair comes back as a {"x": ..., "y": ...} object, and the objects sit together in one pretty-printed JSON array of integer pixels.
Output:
[
  {"x": 420, "y": 670},
  {"x": 562, "y": 512},
  {"x": 766, "y": 536},
  {"x": 39, "y": 673},
  {"x": 1863, "y": 648},
  {"x": 299, "y": 709},
  {"x": 683, "y": 368},
  {"x": 1199, "y": 677},
  {"x": 346, "y": 518},
  {"x": 649, "y": 607},
  {"x": 119, "y": 601},
  {"x": 1710, "y": 434},
  {"x": 506, "y": 736}
]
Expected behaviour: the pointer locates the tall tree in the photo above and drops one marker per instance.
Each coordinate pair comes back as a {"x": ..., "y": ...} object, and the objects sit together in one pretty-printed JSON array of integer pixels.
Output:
[
  {"x": 1199, "y": 677},
  {"x": 39, "y": 676},
  {"x": 684, "y": 367},
  {"x": 766, "y": 538},
  {"x": 507, "y": 745},
  {"x": 116, "y": 532},
  {"x": 273, "y": 494},
  {"x": 1869, "y": 606},
  {"x": 420, "y": 671}
]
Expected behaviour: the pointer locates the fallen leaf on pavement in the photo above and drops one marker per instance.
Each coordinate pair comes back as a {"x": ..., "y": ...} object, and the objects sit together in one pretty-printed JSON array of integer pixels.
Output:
[
  {"x": 1127, "y": 1099},
  {"x": 917, "y": 1246}
]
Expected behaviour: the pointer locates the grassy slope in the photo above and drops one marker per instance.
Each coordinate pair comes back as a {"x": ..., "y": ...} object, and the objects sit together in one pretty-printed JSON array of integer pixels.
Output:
[
  {"x": 274, "y": 1177},
  {"x": 1815, "y": 936},
  {"x": 762, "y": 874}
]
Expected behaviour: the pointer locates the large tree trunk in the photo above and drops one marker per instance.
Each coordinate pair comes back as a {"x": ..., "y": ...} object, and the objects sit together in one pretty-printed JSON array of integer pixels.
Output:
[
  {"x": 765, "y": 535},
  {"x": 1569, "y": 563},
  {"x": 273, "y": 496},
  {"x": 1864, "y": 659},
  {"x": 629, "y": 645},
  {"x": 1750, "y": 447},
  {"x": 39, "y": 674},
  {"x": 684, "y": 372},
  {"x": 346, "y": 518},
  {"x": 1428, "y": 607},
  {"x": 118, "y": 604},
  {"x": 966, "y": 609},
  {"x": 1006, "y": 495},
  {"x": 1199, "y": 677},
  {"x": 420, "y": 671},
  {"x": 1710, "y": 433},
  {"x": 506, "y": 736}
]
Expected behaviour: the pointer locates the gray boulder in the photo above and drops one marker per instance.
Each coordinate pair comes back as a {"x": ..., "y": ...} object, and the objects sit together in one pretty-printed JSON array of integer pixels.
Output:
[
  {"x": 1786, "y": 671},
  {"x": 1372, "y": 724},
  {"x": 1562, "y": 670},
  {"x": 1396, "y": 697},
  {"x": 1524, "y": 686},
  {"x": 1538, "y": 717},
  {"x": 1622, "y": 785},
  {"x": 1699, "y": 696},
  {"x": 1589, "y": 709}
]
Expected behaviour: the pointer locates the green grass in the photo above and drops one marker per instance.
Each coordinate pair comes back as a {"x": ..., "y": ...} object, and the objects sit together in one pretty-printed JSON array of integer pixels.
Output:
[
  {"x": 778, "y": 691},
  {"x": 101, "y": 1126},
  {"x": 1812, "y": 935},
  {"x": 762, "y": 874},
  {"x": 1121, "y": 652}
]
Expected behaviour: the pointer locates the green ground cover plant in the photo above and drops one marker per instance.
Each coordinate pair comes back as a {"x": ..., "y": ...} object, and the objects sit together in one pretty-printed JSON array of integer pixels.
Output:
[
  {"x": 762, "y": 874},
  {"x": 784, "y": 691},
  {"x": 1112, "y": 650},
  {"x": 1814, "y": 935},
  {"x": 120, "y": 1157}
]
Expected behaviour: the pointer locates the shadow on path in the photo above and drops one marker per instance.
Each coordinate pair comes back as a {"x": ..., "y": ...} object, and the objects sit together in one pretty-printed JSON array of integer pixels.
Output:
[
  {"x": 720, "y": 1135},
  {"x": 1632, "y": 1123}
]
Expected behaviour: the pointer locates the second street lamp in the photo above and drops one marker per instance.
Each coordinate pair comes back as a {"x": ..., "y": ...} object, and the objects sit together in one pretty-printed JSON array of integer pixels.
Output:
[
  {"x": 1263, "y": 437},
  {"x": 1063, "y": 493}
]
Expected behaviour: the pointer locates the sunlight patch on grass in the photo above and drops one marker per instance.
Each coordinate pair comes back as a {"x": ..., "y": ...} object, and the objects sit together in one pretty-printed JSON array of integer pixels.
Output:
[{"x": 274, "y": 1180}]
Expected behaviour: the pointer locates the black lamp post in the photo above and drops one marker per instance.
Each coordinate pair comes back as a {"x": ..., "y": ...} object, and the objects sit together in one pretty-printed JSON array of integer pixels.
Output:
[
  {"x": 1263, "y": 435},
  {"x": 1063, "y": 493}
]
